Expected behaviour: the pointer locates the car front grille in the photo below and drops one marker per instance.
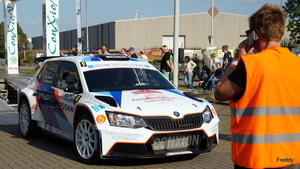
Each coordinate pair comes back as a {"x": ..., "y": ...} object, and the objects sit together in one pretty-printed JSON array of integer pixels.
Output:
[{"x": 167, "y": 123}]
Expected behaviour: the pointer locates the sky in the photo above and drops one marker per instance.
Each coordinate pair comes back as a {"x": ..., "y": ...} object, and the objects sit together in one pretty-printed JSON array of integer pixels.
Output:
[{"x": 29, "y": 12}]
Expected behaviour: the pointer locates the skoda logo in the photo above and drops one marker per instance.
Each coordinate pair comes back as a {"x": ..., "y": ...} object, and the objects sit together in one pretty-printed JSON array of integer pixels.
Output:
[{"x": 176, "y": 113}]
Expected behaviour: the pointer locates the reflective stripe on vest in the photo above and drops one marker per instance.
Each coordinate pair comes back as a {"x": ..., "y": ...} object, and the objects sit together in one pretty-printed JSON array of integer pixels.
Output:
[{"x": 265, "y": 122}]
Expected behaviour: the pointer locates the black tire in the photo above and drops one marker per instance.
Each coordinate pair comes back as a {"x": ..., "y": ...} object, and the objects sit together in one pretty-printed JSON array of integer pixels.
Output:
[
  {"x": 86, "y": 140},
  {"x": 27, "y": 126}
]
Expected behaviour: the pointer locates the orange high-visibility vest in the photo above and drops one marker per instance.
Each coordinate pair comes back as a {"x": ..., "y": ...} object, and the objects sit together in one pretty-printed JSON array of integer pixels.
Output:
[{"x": 265, "y": 122}]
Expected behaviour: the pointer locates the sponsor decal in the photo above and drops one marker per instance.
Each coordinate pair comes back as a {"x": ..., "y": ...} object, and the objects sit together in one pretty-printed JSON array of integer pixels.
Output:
[
  {"x": 155, "y": 98},
  {"x": 89, "y": 102},
  {"x": 97, "y": 107},
  {"x": 59, "y": 132},
  {"x": 123, "y": 136},
  {"x": 145, "y": 91},
  {"x": 111, "y": 64},
  {"x": 285, "y": 160},
  {"x": 176, "y": 142},
  {"x": 71, "y": 98},
  {"x": 34, "y": 106},
  {"x": 66, "y": 106},
  {"x": 77, "y": 99},
  {"x": 101, "y": 119}
]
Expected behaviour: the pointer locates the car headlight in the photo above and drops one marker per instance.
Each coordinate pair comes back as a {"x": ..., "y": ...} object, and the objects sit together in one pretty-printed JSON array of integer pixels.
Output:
[
  {"x": 123, "y": 120},
  {"x": 207, "y": 115}
]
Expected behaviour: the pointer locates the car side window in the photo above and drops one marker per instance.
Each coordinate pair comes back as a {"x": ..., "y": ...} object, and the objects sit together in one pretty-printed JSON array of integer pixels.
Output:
[
  {"x": 68, "y": 76},
  {"x": 48, "y": 73}
]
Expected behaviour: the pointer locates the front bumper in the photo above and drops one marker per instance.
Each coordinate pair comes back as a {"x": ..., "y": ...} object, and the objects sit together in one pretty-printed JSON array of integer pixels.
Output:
[{"x": 164, "y": 145}]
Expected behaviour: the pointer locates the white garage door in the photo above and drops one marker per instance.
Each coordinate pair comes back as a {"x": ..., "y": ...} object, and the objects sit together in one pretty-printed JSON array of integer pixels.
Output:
[{"x": 168, "y": 40}]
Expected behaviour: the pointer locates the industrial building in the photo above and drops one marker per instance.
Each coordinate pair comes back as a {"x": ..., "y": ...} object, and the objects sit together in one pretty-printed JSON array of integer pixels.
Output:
[{"x": 151, "y": 33}]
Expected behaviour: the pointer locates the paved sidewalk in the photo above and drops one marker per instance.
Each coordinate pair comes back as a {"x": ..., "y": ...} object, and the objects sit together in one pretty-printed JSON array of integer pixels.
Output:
[{"x": 8, "y": 116}]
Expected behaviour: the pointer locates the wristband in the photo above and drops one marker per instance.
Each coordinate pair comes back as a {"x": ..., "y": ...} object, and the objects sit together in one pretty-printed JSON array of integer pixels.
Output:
[{"x": 234, "y": 62}]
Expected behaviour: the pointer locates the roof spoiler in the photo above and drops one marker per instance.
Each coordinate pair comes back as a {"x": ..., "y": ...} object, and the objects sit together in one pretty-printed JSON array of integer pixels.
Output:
[{"x": 42, "y": 59}]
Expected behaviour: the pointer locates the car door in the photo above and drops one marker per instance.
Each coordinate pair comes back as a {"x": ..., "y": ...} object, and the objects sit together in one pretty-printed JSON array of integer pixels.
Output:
[
  {"x": 46, "y": 93},
  {"x": 66, "y": 95}
]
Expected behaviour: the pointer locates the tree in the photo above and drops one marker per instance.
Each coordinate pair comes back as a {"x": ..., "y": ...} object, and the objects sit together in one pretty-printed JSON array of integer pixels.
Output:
[
  {"x": 2, "y": 46},
  {"x": 292, "y": 8},
  {"x": 22, "y": 38}
]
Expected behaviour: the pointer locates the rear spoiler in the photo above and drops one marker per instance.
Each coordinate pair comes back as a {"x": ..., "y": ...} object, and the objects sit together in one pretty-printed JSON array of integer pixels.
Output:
[{"x": 42, "y": 59}]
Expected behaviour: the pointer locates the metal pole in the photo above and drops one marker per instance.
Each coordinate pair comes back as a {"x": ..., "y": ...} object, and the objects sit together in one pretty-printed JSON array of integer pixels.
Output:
[
  {"x": 175, "y": 42},
  {"x": 212, "y": 27},
  {"x": 87, "y": 27}
]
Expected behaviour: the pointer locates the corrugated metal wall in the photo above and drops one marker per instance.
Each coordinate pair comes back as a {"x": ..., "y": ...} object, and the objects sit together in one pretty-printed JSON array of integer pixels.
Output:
[{"x": 148, "y": 33}]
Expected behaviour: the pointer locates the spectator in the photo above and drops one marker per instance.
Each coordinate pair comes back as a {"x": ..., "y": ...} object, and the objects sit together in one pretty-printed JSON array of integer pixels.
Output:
[
  {"x": 171, "y": 57},
  {"x": 99, "y": 51},
  {"x": 143, "y": 57},
  {"x": 189, "y": 66},
  {"x": 230, "y": 57},
  {"x": 165, "y": 65},
  {"x": 123, "y": 52},
  {"x": 205, "y": 60},
  {"x": 73, "y": 51},
  {"x": 203, "y": 78},
  {"x": 264, "y": 96},
  {"x": 214, "y": 61},
  {"x": 215, "y": 78},
  {"x": 172, "y": 63},
  {"x": 225, "y": 57},
  {"x": 104, "y": 49},
  {"x": 131, "y": 53},
  {"x": 196, "y": 71}
]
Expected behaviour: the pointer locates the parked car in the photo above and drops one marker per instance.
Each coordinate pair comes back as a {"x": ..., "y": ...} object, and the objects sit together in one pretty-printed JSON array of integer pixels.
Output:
[{"x": 113, "y": 106}]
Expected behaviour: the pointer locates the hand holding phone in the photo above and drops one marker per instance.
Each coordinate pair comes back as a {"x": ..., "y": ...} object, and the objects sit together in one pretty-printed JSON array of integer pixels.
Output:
[{"x": 251, "y": 40}]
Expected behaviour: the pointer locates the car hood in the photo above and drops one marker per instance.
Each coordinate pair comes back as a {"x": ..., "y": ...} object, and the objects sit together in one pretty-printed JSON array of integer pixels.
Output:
[{"x": 171, "y": 102}]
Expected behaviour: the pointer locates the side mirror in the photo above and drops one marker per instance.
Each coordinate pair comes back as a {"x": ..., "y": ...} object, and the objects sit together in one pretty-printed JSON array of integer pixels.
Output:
[{"x": 71, "y": 89}]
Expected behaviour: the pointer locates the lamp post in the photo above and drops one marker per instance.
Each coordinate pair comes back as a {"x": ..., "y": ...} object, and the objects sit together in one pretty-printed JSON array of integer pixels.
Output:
[
  {"x": 87, "y": 27},
  {"x": 175, "y": 42},
  {"x": 212, "y": 27}
]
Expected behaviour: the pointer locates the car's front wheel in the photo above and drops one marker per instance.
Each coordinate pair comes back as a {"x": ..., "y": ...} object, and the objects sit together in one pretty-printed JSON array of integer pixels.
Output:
[
  {"x": 27, "y": 126},
  {"x": 86, "y": 140}
]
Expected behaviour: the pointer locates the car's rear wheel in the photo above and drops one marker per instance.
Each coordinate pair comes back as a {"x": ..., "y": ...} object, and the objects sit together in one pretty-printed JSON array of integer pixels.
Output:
[
  {"x": 86, "y": 140},
  {"x": 28, "y": 127}
]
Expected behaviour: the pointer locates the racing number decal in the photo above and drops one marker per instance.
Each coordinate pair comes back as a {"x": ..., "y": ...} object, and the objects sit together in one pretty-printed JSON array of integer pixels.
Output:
[{"x": 83, "y": 64}]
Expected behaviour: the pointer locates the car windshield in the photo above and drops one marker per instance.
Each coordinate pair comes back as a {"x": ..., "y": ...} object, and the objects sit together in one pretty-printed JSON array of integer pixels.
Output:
[{"x": 125, "y": 79}]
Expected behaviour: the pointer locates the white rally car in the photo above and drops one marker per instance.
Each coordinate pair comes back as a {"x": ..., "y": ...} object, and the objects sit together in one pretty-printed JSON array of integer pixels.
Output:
[{"x": 113, "y": 106}]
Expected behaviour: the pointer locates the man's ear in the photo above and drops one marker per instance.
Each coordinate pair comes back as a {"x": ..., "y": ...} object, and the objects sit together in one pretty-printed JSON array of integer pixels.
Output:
[{"x": 259, "y": 35}]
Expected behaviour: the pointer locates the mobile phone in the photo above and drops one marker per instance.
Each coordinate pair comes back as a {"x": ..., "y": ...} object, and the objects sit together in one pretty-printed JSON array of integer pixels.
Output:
[{"x": 251, "y": 40}]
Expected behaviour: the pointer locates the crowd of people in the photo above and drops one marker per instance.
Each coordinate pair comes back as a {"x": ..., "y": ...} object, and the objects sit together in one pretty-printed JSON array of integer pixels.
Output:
[
  {"x": 207, "y": 71},
  {"x": 104, "y": 50}
]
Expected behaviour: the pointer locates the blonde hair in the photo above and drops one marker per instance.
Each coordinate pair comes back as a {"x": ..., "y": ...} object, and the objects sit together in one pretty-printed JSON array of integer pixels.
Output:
[{"x": 213, "y": 55}]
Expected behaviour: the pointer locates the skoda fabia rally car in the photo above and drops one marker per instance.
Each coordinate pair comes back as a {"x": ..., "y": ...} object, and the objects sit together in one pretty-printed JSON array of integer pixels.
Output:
[{"x": 113, "y": 106}]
